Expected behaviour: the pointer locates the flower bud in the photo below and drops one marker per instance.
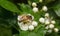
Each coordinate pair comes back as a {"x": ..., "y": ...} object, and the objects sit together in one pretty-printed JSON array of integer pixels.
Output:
[
  {"x": 34, "y": 4},
  {"x": 53, "y": 22},
  {"x": 42, "y": 20},
  {"x": 47, "y": 15},
  {"x": 31, "y": 27},
  {"x": 35, "y": 9},
  {"x": 56, "y": 29},
  {"x": 51, "y": 26},
  {"x": 34, "y": 23},
  {"x": 44, "y": 8}
]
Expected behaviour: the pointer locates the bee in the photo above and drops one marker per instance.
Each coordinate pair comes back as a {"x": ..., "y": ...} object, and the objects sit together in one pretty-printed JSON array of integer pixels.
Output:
[{"x": 25, "y": 19}]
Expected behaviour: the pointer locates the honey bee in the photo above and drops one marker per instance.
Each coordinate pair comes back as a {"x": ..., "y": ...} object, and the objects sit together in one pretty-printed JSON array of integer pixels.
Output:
[{"x": 26, "y": 18}]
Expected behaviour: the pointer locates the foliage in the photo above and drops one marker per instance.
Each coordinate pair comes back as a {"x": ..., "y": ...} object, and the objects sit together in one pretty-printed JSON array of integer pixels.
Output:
[{"x": 10, "y": 10}]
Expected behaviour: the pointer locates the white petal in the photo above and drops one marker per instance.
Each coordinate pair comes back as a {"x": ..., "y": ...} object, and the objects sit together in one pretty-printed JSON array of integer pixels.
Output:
[
  {"x": 24, "y": 27},
  {"x": 42, "y": 20},
  {"x": 44, "y": 8},
  {"x": 51, "y": 26},
  {"x": 32, "y": 17},
  {"x": 34, "y": 23},
  {"x": 35, "y": 9},
  {"x": 20, "y": 23},
  {"x": 19, "y": 18},
  {"x": 31, "y": 27}
]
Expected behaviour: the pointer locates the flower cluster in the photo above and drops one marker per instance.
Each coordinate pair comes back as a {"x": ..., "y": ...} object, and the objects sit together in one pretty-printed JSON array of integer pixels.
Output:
[
  {"x": 26, "y": 22},
  {"x": 49, "y": 23},
  {"x": 35, "y": 9}
]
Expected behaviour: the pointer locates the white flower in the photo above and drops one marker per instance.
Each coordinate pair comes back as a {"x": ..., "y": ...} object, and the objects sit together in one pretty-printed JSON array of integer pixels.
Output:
[
  {"x": 47, "y": 15},
  {"x": 34, "y": 4},
  {"x": 53, "y": 22},
  {"x": 56, "y": 29},
  {"x": 47, "y": 21},
  {"x": 35, "y": 9},
  {"x": 42, "y": 20},
  {"x": 34, "y": 23},
  {"x": 47, "y": 27},
  {"x": 24, "y": 27},
  {"x": 44, "y": 8},
  {"x": 40, "y": 0},
  {"x": 51, "y": 26},
  {"x": 31, "y": 27},
  {"x": 49, "y": 31},
  {"x": 24, "y": 21}
]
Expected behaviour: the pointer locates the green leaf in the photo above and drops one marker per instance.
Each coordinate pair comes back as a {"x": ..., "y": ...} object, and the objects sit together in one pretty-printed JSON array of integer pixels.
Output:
[
  {"x": 58, "y": 12},
  {"x": 25, "y": 8},
  {"x": 32, "y": 34},
  {"x": 5, "y": 31},
  {"x": 57, "y": 9},
  {"x": 23, "y": 33},
  {"x": 40, "y": 30},
  {"x": 9, "y": 6}
]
